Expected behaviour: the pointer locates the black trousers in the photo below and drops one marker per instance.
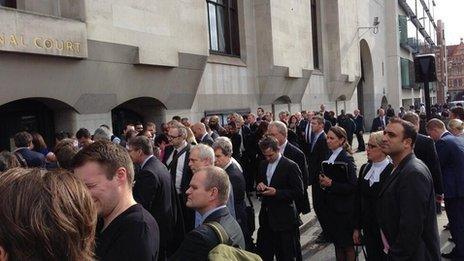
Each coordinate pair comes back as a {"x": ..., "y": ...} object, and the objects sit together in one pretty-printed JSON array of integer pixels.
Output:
[
  {"x": 284, "y": 245},
  {"x": 360, "y": 138},
  {"x": 319, "y": 206},
  {"x": 455, "y": 212}
]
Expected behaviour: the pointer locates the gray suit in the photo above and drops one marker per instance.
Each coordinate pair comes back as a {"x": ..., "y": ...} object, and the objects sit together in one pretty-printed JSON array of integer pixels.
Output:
[{"x": 406, "y": 212}]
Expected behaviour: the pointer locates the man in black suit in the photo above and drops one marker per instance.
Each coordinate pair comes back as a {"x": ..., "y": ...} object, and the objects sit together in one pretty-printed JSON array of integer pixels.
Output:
[
  {"x": 319, "y": 152},
  {"x": 207, "y": 194},
  {"x": 223, "y": 158},
  {"x": 359, "y": 131},
  {"x": 252, "y": 123},
  {"x": 379, "y": 122},
  {"x": 451, "y": 153},
  {"x": 278, "y": 130},
  {"x": 24, "y": 153},
  {"x": 201, "y": 135},
  {"x": 425, "y": 150},
  {"x": 246, "y": 149},
  {"x": 406, "y": 204},
  {"x": 154, "y": 190},
  {"x": 280, "y": 185},
  {"x": 176, "y": 159},
  {"x": 304, "y": 132}
]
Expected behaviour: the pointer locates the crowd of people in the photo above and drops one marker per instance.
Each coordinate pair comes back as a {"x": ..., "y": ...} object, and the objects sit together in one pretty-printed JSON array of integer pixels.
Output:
[{"x": 151, "y": 194}]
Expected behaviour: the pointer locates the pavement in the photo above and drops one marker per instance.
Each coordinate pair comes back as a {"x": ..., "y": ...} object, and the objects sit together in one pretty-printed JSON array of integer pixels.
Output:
[{"x": 326, "y": 252}]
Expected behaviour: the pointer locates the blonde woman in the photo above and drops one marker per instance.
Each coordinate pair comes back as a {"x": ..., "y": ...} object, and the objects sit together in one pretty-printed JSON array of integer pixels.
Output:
[
  {"x": 456, "y": 127},
  {"x": 371, "y": 177}
]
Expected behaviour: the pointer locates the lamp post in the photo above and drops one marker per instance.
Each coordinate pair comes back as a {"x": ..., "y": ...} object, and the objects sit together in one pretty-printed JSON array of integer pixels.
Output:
[{"x": 425, "y": 73}]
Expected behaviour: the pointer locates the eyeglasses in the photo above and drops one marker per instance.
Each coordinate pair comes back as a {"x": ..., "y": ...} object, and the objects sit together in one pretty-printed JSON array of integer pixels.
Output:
[
  {"x": 371, "y": 146},
  {"x": 170, "y": 137}
]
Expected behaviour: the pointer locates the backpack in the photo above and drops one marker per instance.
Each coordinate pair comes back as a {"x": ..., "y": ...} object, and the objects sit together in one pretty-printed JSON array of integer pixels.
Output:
[{"x": 224, "y": 250}]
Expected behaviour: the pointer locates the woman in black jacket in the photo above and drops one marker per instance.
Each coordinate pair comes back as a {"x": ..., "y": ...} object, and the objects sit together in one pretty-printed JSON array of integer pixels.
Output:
[
  {"x": 371, "y": 177},
  {"x": 339, "y": 185}
]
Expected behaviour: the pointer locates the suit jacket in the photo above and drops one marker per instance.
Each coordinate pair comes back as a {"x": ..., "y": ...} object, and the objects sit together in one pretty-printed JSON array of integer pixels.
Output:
[
  {"x": 341, "y": 196},
  {"x": 424, "y": 149},
  {"x": 33, "y": 159},
  {"x": 296, "y": 155},
  {"x": 327, "y": 125},
  {"x": 280, "y": 209},
  {"x": 301, "y": 132},
  {"x": 238, "y": 186},
  {"x": 377, "y": 124},
  {"x": 236, "y": 141},
  {"x": 406, "y": 212},
  {"x": 207, "y": 140},
  {"x": 315, "y": 158},
  {"x": 201, "y": 240},
  {"x": 153, "y": 189},
  {"x": 187, "y": 215},
  {"x": 451, "y": 154},
  {"x": 359, "y": 121}
]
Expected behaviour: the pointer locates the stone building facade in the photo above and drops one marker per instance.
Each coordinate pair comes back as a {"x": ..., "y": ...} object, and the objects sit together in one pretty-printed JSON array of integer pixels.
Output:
[{"x": 67, "y": 64}]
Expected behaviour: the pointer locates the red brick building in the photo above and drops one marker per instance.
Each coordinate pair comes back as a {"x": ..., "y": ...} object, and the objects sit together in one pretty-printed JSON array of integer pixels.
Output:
[{"x": 456, "y": 71}]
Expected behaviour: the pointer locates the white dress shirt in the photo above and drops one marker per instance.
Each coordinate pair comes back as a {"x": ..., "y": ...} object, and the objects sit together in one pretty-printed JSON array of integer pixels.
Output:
[
  {"x": 334, "y": 155},
  {"x": 180, "y": 165},
  {"x": 271, "y": 168}
]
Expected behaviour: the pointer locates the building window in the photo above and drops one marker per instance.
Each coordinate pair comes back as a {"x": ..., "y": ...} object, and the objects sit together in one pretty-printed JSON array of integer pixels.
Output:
[
  {"x": 315, "y": 34},
  {"x": 8, "y": 3},
  {"x": 403, "y": 28},
  {"x": 406, "y": 73},
  {"x": 223, "y": 27}
]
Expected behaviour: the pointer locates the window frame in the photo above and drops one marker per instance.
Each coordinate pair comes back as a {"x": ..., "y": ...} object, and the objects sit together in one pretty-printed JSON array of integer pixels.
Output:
[
  {"x": 231, "y": 27},
  {"x": 10, "y": 4}
]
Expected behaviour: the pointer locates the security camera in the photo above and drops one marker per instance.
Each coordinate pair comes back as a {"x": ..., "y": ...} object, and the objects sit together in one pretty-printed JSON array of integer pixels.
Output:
[{"x": 376, "y": 21}]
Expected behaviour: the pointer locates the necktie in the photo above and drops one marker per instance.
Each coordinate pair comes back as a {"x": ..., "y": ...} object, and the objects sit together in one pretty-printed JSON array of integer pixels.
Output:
[{"x": 172, "y": 167}]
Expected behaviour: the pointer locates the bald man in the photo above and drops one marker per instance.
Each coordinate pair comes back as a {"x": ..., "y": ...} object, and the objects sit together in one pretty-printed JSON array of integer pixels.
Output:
[{"x": 202, "y": 136}]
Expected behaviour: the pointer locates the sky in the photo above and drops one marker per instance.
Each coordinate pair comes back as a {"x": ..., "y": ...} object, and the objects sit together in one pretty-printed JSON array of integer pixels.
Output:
[{"x": 451, "y": 12}]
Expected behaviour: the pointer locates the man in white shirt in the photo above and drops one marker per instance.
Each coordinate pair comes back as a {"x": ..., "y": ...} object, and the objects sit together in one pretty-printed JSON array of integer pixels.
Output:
[{"x": 280, "y": 185}]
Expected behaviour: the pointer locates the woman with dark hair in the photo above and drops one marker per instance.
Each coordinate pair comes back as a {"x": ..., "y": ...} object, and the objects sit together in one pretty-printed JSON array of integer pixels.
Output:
[
  {"x": 339, "y": 186},
  {"x": 45, "y": 216},
  {"x": 41, "y": 147},
  {"x": 371, "y": 178},
  {"x": 161, "y": 142},
  {"x": 293, "y": 123}
]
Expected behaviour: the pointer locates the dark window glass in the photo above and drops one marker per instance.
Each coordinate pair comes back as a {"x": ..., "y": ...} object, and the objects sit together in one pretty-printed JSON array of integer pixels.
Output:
[
  {"x": 8, "y": 3},
  {"x": 314, "y": 27},
  {"x": 223, "y": 27}
]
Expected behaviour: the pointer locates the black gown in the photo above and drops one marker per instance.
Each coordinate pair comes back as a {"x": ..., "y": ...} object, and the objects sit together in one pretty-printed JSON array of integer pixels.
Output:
[
  {"x": 340, "y": 202},
  {"x": 366, "y": 207}
]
